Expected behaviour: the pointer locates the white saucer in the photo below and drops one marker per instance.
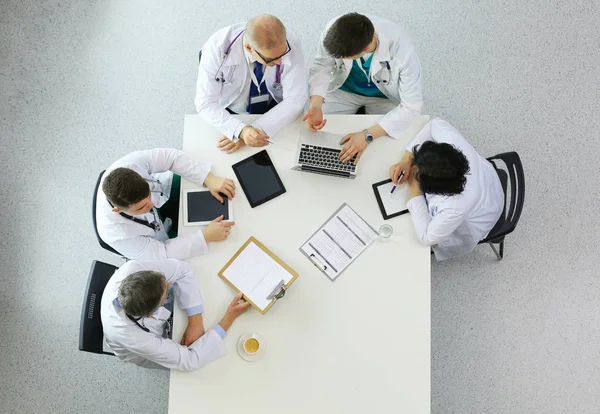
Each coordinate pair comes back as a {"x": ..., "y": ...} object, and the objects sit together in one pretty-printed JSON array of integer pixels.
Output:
[{"x": 245, "y": 355}]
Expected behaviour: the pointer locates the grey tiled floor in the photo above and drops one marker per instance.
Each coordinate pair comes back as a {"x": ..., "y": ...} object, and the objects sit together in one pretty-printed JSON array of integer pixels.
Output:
[{"x": 82, "y": 83}]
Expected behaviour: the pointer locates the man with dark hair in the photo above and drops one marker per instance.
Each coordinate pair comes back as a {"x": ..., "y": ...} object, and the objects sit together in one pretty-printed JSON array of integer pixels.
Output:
[
  {"x": 135, "y": 313},
  {"x": 456, "y": 196},
  {"x": 137, "y": 207},
  {"x": 254, "y": 67},
  {"x": 370, "y": 62}
]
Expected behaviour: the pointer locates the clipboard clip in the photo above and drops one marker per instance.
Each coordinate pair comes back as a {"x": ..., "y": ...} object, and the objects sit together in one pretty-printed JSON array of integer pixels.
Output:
[
  {"x": 313, "y": 259},
  {"x": 278, "y": 292}
]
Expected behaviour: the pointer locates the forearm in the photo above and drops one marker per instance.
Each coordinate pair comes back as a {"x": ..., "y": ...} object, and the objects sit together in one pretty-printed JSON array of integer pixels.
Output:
[
  {"x": 212, "y": 112},
  {"x": 281, "y": 115},
  {"x": 377, "y": 131},
  {"x": 184, "y": 247},
  {"x": 172, "y": 355},
  {"x": 226, "y": 322},
  {"x": 421, "y": 219},
  {"x": 398, "y": 120},
  {"x": 316, "y": 101},
  {"x": 415, "y": 191},
  {"x": 189, "y": 168},
  {"x": 195, "y": 322}
]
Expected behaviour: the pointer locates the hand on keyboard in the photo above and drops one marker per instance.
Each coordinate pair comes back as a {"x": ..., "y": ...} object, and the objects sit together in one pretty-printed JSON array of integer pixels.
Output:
[
  {"x": 355, "y": 145},
  {"x": 323, "y": 157}
]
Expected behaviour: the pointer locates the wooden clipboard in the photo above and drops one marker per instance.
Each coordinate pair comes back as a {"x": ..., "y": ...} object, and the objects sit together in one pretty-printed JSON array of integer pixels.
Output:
[{"x": 269, "y": 253}]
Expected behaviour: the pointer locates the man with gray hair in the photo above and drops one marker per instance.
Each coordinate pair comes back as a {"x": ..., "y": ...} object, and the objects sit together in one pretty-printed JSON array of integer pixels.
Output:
[
  {"x": 135, "y": 313},
  {"x": 255, "y": 67}
]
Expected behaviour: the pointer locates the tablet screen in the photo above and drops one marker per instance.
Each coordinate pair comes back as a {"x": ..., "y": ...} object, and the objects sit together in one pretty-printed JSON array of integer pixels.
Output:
[
  {"x": 202, "y": 206},
  {"x": 258, "y": 178}
]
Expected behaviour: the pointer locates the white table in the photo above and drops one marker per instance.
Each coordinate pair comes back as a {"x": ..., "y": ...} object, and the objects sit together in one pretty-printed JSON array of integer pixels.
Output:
[{"x": 360, "y": 344}]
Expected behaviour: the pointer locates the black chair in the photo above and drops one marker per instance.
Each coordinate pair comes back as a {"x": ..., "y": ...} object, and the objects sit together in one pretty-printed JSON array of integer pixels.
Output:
[
  {"x": 102, "y": 243},
  {"x": 91, "y": 335},
  {"x": 512, "y": 178}
]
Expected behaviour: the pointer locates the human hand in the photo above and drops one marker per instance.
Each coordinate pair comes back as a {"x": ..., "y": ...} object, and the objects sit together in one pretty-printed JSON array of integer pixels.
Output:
[
  {"x": 225, "y": 144},
  {"x": 217, "y": 230},
  {"x": 194, "y": 330},
  {"x": 234, "y": 310},
  {"x": 403, "y": 165},
  {"x": 355, "y": 145},
  {"x": 314, "y": 119},
  {"x": 254, "y": 137},
  {"x": 218, "y": 185}
]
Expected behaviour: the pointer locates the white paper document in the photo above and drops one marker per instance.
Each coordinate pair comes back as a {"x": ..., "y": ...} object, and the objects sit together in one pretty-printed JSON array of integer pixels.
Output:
[
  {"x": 256, "y": 274},
  {"x": 396, "y": 202},
  {"x": 339, "y": 241}
]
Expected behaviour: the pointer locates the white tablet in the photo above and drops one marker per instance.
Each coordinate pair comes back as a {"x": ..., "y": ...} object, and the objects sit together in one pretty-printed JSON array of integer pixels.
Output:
[{"x": 200, "y": 207}]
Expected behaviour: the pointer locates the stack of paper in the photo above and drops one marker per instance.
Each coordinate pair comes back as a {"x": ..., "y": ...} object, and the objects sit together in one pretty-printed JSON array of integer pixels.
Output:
[{"x": 256, "y": 274}]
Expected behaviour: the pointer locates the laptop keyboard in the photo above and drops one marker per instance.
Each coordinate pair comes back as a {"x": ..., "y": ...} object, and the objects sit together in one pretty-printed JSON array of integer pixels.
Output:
[{"x": 321, "y": 157}]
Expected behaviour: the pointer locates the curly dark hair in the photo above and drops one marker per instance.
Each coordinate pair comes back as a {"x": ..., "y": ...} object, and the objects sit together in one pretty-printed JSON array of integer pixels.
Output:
[{"x": 441, "y": 168}]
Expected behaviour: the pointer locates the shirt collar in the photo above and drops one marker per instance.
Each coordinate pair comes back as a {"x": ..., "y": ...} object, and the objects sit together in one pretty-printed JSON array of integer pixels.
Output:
[{"x": 382, "y": 53}]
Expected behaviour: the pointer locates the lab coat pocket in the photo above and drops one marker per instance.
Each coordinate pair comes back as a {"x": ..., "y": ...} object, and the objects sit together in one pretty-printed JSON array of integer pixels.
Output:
[{"x": 228, "y": 74}]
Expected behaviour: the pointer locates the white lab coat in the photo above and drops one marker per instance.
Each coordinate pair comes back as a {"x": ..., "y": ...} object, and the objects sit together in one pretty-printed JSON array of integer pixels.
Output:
[
  {"x": 149, "y": 349},
  {"x": 454, "y": 225},
  {"x": 137, "y": 241},
  {"x": 404, "y": 88},
  {"x": 212, "y": 96}
]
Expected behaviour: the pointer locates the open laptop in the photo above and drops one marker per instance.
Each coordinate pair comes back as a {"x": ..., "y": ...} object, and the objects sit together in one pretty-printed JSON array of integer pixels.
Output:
[{"x": 319, "y": 153}]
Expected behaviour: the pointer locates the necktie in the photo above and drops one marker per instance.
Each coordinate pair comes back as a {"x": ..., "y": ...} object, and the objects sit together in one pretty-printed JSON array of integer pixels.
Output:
[{"x": 258, "y": 107}]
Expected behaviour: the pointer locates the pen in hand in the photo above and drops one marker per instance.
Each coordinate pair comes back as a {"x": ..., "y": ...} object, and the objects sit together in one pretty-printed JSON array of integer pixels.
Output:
[{"x": 396, "y": 185}]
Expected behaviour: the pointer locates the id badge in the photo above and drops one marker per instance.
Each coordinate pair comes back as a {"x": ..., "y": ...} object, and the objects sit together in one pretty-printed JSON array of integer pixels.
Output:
[{"x": 259, "y": 98}]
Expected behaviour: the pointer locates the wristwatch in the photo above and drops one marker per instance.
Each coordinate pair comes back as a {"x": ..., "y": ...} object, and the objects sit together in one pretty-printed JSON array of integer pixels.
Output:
[{"x": 368, "y": 136}]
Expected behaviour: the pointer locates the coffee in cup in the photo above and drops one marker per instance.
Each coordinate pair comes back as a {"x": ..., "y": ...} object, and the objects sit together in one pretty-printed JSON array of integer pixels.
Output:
[{"x": 251, "y": 345}]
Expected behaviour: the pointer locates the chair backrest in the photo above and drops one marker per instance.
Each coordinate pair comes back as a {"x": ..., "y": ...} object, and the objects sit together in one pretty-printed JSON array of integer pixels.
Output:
[
  {"x": 512, "y": 178},
  {"x": 91, "y": 335},
  {"x": 102, "y": 243}
]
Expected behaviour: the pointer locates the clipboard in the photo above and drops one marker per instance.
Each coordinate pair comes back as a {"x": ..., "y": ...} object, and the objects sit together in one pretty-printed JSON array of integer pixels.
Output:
[
  {"x": 279, "y": 289},
  {"x": 321, "y": 263},
  {"x": 384, "y": 213}
]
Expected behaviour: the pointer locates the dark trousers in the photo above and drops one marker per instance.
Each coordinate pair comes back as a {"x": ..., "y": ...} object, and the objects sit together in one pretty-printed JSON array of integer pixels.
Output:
[
  {"x": 272, "y": 104},
  {"x": 171, "y": 208}
]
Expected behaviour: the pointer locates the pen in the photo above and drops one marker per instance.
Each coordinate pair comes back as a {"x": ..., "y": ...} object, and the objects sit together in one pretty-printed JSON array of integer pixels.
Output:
[
  {"x": 279, "y": 145},
  {"x": 396, "y": 185}
]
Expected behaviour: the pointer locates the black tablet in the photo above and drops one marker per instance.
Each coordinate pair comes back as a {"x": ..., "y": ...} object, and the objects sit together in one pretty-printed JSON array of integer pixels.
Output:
[
  {"x": 200, "y": 207},
  {"x": 258, "y": 178},
  {"x": 391, "y": 204}
]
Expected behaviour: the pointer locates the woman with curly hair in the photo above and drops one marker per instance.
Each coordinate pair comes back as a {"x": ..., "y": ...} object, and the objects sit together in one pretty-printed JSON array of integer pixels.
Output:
[{"x": 456, "y": 197}]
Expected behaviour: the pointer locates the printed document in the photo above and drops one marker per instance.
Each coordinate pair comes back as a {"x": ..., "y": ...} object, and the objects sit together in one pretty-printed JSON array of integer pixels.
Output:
[{"x": 339, "y": 241}]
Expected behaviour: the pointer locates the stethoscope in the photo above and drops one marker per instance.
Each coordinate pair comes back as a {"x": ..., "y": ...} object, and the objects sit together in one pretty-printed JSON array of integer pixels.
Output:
[
  {"x": 219, "y": 77},
  {"x": 135, "y": 320},
  {"x": 159, "y": 184},
  {"x": 385, "y": 80}
]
